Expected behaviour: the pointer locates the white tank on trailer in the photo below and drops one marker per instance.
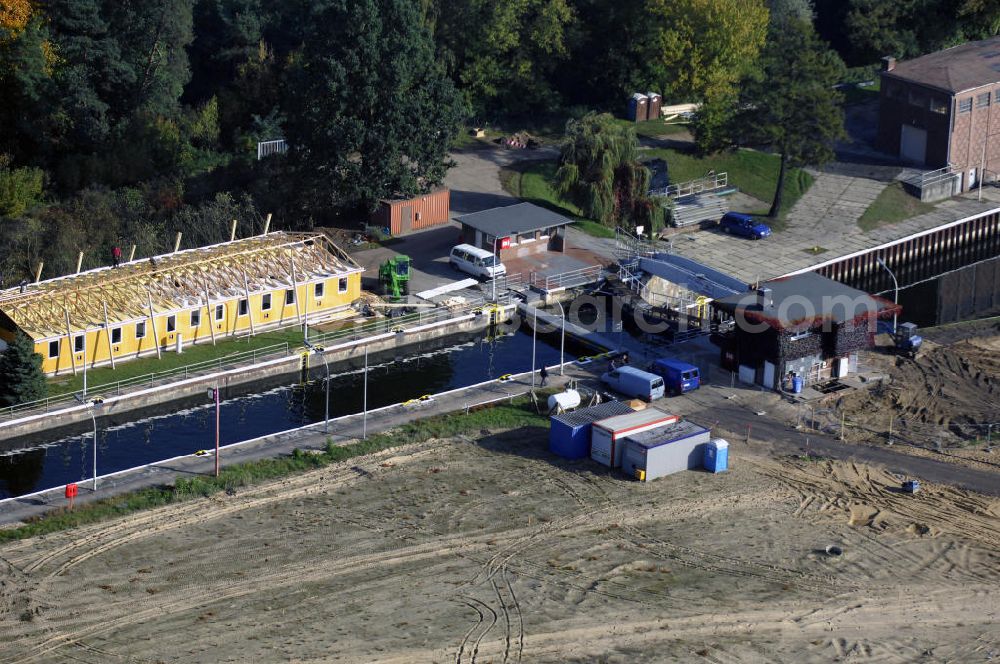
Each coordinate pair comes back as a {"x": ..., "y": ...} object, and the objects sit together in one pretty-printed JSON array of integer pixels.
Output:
[{"x": 564, "y": 401}]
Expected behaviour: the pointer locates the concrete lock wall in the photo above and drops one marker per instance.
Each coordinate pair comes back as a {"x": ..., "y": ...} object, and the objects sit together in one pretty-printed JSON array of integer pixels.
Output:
[
  {"x": 969, "y": 292},
  {"x": 195, "y": 387}
]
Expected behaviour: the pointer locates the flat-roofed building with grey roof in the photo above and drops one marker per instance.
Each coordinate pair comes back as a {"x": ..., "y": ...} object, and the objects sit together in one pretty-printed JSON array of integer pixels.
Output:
[
  {"x": 531, "y": 229},
  {"x": 804, "y": 325},
  {"x": 943, "y": 109}
]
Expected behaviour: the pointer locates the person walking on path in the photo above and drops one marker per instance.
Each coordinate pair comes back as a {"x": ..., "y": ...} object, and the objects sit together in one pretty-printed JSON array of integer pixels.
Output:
[
  {"x": 543, "y": 373},
  {"x": 116, "y": 255}
]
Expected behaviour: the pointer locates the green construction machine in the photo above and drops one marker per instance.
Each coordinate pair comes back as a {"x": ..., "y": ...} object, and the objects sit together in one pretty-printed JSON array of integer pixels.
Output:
[{"x": 394, "y": 276}]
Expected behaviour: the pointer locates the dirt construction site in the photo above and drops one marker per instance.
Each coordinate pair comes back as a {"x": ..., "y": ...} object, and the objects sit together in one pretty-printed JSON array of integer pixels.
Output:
[
  {"x": 492, "y": 550},
  {"x": 946, "y": 400}
]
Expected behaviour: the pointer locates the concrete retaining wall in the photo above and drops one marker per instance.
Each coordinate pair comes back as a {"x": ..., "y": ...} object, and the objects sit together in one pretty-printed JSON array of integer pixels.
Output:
[{"x": 350, "y": 352}]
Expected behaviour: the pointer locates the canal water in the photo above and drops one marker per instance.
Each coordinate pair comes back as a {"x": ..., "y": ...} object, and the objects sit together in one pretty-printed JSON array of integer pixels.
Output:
[{"x": 151, "y": 439}]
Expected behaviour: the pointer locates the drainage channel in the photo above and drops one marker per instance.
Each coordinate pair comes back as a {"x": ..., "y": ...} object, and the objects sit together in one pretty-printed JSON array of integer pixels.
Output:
[{"x": 126, "y": 445}]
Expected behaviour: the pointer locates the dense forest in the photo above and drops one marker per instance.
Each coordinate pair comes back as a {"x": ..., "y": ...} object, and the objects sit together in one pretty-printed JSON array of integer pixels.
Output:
[{"x": 125, "y": 121}]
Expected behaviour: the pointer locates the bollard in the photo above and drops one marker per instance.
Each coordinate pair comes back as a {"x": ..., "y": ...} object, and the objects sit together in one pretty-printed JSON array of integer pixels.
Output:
[
  {"x": 748, "y": 435},
  {"x": 71, "y": 491}
]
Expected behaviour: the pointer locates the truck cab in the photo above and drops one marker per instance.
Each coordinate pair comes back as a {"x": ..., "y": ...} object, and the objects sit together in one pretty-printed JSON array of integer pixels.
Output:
[
  {"x": 907, "y": 340},
  {"x": 678, "y": 377}
]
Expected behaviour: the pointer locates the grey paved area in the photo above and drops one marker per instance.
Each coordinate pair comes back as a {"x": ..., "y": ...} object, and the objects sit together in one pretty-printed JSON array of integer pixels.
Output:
[
  {"x": 827, "y": 219},
  {"x": 475, "y": 179}
]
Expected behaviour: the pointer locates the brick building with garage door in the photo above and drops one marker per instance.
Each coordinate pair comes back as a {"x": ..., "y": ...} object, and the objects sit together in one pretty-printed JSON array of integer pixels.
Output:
[{"x": 943, "y": 109}]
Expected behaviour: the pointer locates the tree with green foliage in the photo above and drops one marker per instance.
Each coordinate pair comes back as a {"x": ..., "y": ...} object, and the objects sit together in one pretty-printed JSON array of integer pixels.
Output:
[
  {"x": 703, "y": 47},
  {"x": 21, "y": 377},
  {"x": 712, "y": 124},
  {"x": 790, "y": 104},
  {"x": 503, "y": 52},
  {"x": 20, "y": 188},
  {"x": 370, "y": 113},
  {"x": 599, "y": 168}
]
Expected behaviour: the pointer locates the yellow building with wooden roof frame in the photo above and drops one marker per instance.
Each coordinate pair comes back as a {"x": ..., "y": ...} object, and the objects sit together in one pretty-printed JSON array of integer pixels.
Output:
[{"x": 195, "y": 296}]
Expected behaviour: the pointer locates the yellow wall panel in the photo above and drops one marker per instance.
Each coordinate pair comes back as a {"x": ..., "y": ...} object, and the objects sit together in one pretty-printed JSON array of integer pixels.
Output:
[{"x": 97, "y": 351}]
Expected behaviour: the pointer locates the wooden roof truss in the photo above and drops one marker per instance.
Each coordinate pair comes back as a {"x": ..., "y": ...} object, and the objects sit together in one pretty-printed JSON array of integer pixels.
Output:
[{"x": 173, "y": 282}]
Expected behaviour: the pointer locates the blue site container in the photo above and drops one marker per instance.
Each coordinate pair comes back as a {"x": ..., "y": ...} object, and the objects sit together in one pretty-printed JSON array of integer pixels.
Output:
[
  {"x": 569, "y": 433},
  {"x": 797, "y": 383},
  {"x": 717, "y": 456}
]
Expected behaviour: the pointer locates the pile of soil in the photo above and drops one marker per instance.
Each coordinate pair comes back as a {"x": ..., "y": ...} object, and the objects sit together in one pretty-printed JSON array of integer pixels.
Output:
[{"x": 947, "y": 394}]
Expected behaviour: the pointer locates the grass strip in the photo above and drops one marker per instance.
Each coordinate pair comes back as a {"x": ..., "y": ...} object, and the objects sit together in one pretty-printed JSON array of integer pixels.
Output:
[
  {"x": 202, "y": 352},
  {"x": 532, "y": 181},
  {"x": 891, "y": 206},
  {"x": 753, "y": 172},
  {"x": 517, "y": 414}
]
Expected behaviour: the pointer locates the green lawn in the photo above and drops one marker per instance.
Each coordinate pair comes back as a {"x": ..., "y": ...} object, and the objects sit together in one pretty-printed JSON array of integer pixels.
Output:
[
  {"x": 654, "y": 128},
  {"x": 892, "y": 205},
  {"x": 171, "y": 360},
  {"x": 752, "y": 172},
  {"x": 532, "y": 182}
]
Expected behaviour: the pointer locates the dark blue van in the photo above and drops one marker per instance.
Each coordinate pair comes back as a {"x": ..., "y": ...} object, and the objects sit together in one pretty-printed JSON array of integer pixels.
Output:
[
  {"x": 744, "y": 225},
  {"x": 678, "y": 377}
]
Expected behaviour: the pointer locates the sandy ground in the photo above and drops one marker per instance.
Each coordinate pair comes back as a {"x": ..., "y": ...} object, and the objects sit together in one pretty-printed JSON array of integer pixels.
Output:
[
  {"x": 940, "y": 402},
  {"x": 491, "y": 550}
]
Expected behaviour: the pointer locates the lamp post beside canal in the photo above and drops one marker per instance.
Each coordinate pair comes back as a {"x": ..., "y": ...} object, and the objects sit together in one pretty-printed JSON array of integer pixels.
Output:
[
  {"x": 895, "y": 313},
  {"x": 213, "y": 394},
  {"x": 94, "y": 405},
  {"x": 562, "y": 341},
  {"x": 318, "y": 350}
]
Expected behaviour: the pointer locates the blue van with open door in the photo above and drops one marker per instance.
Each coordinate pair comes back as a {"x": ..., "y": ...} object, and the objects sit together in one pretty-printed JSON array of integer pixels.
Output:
[{"x": 678, "y": 377}]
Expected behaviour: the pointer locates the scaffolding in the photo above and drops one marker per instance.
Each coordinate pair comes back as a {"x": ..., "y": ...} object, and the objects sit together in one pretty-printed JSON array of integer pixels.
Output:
[{"x": 182, "y": 279}]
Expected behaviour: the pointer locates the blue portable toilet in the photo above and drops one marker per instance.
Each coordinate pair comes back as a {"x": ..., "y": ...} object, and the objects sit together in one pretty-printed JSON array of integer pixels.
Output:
[
  {"x": 717, "y": 455},
  {"x": 569, "y": 433}
]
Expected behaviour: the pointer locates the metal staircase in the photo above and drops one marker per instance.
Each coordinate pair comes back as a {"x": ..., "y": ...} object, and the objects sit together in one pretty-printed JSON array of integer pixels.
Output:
[{"x": 697, "y": 209}]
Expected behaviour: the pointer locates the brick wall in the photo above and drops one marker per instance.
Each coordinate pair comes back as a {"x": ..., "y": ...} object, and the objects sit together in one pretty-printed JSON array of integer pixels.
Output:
[
  {"x": 896, "y": 110},
  {"x": 973, "y": 130}
]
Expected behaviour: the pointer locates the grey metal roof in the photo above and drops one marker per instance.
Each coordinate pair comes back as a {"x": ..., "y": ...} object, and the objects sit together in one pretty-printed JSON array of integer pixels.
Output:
[
  {"x": 520, "y": 218},
  {"x": 691, "y": 274},
  {"x": 593, "y": 414},
  {"x": 637, "y": 418},
  {"x": 956, "y": 69},
  {"x": 668, "y": 434},
  {"x": 802, "y": 300}
]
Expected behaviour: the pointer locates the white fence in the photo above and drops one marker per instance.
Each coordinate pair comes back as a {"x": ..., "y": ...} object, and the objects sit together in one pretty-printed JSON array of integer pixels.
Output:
[{"x": 268, "y": 148}]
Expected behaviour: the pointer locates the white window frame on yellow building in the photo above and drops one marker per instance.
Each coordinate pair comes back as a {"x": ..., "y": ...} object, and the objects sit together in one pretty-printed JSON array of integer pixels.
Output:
[{"x": 147, "y": 292}]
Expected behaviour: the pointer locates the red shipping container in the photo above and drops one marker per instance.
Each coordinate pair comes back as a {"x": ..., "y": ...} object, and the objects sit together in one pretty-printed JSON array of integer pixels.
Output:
[{"x": 404, "y": 216}]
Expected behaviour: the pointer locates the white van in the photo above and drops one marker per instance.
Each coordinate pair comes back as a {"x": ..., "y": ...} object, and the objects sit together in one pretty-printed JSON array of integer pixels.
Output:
[{"x": 475, "y": 261}]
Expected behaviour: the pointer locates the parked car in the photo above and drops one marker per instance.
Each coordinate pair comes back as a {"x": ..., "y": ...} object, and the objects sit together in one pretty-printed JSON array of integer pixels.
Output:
[
  {"x": 678, "y": 377},
  {"x": 475, "y": 261},
  {"x": 744, "y": 225},
  {"x": 634, "y": 382}
]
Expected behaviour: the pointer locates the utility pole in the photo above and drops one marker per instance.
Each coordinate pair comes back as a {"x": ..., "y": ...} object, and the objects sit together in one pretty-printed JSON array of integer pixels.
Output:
[{"x": 364, "y": 418}]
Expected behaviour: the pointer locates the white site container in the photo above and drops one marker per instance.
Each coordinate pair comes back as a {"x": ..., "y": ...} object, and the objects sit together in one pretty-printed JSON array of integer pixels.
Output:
[
  {"x": 607, "y": 435},
  {"x": 664, "y": 451}
]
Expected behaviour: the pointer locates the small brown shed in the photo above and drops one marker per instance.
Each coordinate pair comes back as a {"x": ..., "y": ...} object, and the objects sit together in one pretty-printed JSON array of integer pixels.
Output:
[
  {"x": 653, "y": 105},
  {"x": 408, "y": 215}
]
